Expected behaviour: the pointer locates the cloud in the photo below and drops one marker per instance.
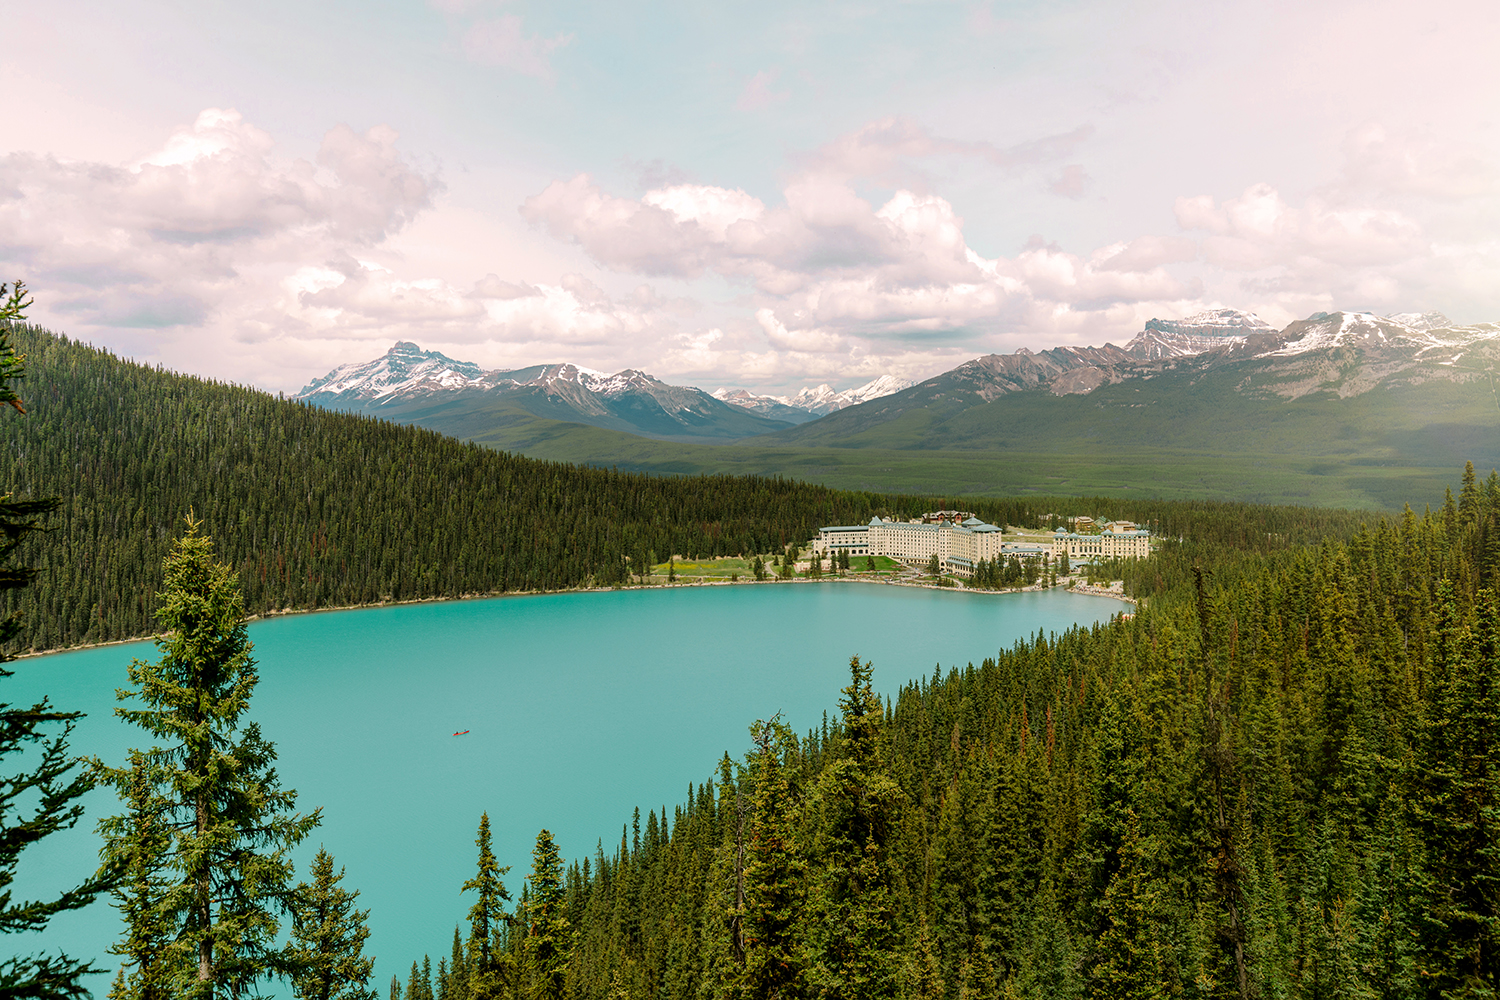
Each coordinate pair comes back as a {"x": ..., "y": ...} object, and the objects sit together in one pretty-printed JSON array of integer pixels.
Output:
[
  {"x": 834, "y": 272},
  {"x": 1259, "y": 230},
  {"x": 758, "y": 95},
  {"x": 167, "y": 241},
  {"x": 1071, "y": 183},
  {"x": 350, "y": 299},
  {"x": 886, "y": 150},
  {"x": 502, "y": 41},
  {"x": 1406, "y": 222}
]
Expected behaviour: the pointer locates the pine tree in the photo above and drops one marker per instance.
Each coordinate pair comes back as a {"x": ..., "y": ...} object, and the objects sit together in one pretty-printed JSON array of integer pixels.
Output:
[
  {"x": 419, "y": 981},
  {"x": 1132, "y": 966},
  {"x": 548, "y": 942},
  {"x": 855, "y": 940},
  {"x": 1458, "y": 805},
  {"x": 487, "y": 969},
  {"x": 924, "y": 980},
  {"x": 227, "y": 873},
  {"x": 328, "y": 939},
  {"x": 774, "y": 894},
  {"x": 458, "y": 969},
  {"x": 51, "y": 790},
  {"x": 1468, "y": 497}
]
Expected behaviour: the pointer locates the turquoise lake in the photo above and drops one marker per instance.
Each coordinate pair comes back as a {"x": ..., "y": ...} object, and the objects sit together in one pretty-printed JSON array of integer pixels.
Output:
[{"x": 580, "y": 707}]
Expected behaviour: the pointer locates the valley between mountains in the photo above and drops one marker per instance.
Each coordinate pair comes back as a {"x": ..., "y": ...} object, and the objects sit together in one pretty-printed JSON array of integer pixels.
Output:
[{"x": 1344, "y": 408}]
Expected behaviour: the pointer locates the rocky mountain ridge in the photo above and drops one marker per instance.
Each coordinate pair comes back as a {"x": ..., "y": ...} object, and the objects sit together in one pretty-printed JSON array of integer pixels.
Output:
[
  {"x": 1336, "y": 355},
  {"x": 1384, "y": 343}
]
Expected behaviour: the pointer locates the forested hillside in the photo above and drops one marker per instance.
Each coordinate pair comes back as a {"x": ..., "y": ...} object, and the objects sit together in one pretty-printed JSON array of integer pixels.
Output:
[
  {"x": 1284, "y": 782},
  {"x": 317, "y": 509}
]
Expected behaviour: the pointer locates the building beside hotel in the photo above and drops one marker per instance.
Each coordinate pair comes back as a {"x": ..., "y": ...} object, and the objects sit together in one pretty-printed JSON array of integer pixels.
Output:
[{"x": 1114, "y": 542}]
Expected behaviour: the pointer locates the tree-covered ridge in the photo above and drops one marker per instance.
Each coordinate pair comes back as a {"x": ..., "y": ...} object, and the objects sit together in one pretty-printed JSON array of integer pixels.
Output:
[
  {"x": 318, "y": 509},
  {"x": 1281, "y": 778}
]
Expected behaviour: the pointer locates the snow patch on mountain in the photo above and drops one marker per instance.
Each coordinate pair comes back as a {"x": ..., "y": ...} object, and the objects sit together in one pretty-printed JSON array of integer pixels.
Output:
[
  {"x": 1423, "y": 331},
  {"x": 1422, "y": 321}
]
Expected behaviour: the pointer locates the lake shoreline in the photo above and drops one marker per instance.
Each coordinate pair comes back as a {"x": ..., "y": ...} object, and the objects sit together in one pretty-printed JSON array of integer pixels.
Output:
[{"x": 1082, "y": 590}]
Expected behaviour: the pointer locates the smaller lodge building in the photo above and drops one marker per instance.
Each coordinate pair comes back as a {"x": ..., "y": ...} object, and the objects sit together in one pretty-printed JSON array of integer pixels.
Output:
[{"x": 1118, "y": 540}]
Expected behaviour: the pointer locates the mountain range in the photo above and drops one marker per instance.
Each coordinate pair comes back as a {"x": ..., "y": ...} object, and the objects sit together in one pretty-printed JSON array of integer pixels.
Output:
[
  {"x": 1217, "y": 380},
  {"x": 1342, "y": 407},
  {"x": 410, "y": 385}
]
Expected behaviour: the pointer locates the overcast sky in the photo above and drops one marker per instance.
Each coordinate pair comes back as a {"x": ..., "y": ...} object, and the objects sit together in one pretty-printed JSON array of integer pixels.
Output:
[{"x": 761, "y": 194}]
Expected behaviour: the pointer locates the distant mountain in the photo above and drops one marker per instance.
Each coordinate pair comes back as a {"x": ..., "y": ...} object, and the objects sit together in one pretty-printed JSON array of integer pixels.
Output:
[
  {"x": 767, "y": 406},
  {"x": 1182, "y": 381},
  {"x": 410, "y": 385},
  {"x": 813, "y": 402},
  {"x": 1207, "y": 331}
]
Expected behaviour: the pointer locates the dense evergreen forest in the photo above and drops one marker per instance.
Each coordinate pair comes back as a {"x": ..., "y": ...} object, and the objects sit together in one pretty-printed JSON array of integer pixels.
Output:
[
  {"x": 1281, "y": 778},
  {"x": 318, "y": 509}
]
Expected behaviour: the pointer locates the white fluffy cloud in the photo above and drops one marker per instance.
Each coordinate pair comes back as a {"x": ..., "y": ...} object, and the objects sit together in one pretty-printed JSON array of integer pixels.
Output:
[
  {"x": 229, "y": 260},
  {"x": 217, "y": 254},
  {"x": 1406, "y": 224},
  {"x": 173, "y": 239},
  {"x": 835, "y": 273}
]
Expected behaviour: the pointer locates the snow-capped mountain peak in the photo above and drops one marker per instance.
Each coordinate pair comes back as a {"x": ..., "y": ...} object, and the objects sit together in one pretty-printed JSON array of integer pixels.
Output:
[
  {"x": 818, "y": 400},
  {"x": 1204, "y": 331},
  {"x": 1422, "y": 321},
  {"x": 403, "y": 370},
  {"x": 629, "y": 400}
]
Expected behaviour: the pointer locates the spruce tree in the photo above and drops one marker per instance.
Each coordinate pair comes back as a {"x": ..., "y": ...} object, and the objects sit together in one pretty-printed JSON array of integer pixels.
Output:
[
  {"x": 1457, "y": 804},
  {"x": 774, "y": 873},
  {"x": 1132, "y": 965},
  {"x": 45, "y": 798},
  {"x": 924, "y": 977},
  {"x": 226, "y": 873},
  {"x": 458, "y": 969},
  {"x": 328, "y": 939},
  {"x": 487, "y": 968},
  {"x": 855, "y": 940},
  {"x": 548, "y": 942}
]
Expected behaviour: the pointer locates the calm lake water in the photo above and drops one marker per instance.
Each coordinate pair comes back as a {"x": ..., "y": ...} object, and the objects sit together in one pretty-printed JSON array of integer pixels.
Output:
[{"x": 580, "y": 707}]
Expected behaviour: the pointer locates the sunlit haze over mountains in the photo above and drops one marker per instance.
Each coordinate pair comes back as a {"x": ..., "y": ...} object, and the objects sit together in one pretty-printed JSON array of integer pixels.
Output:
[{"x": 761, "y": 196}]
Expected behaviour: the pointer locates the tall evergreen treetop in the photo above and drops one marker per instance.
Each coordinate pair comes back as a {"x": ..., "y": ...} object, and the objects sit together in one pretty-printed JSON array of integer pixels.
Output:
[
  {"x": 227, "y": 873},
  {"x": 856, "y": 940},
  {"x": 328, "y": 939},
  {"x": 548, "y": 941},
  {"x": 488, "y": 920}
]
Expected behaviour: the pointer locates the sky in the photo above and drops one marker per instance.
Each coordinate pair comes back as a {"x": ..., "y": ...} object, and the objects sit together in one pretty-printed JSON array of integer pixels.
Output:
[{"x": 762, "y": 195}]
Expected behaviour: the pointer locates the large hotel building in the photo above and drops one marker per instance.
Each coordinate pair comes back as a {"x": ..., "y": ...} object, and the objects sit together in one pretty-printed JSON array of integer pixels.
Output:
[{"x": 961, "y": 544}]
